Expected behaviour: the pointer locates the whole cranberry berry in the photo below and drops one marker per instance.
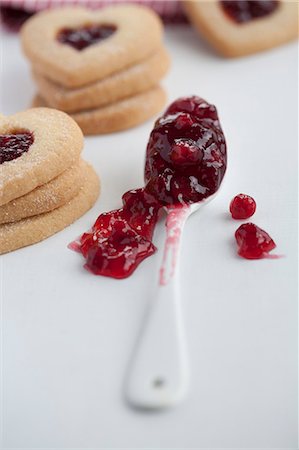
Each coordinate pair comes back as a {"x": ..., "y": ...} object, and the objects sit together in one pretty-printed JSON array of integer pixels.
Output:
[
  {"x": 242, "y": 206},
  {"x": 253, "y": 242},
  {"x": 183, "y": 121},
  {"x": 185, "y": 152}
]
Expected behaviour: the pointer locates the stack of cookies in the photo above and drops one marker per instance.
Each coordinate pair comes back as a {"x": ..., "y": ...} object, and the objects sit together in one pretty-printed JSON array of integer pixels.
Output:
[
  {"x": 103, "y": 68},
  {"x": 44, "y": 184}
]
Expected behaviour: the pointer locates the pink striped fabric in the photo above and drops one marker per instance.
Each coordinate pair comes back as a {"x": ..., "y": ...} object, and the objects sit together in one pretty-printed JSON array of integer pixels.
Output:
[{"x": 168, "y": 10}]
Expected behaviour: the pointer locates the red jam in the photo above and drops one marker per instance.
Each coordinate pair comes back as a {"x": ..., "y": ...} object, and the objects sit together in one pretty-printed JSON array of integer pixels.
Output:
[
  {"x": 83, "y": 37},
  {"x": 246, "y": 10},
  {"x": 185, "y": 163},
  {"x": 186, "y": 153},
  {"x": 242, "y": 207},
  {"x": 253, "y": 242},
  {"x": 12, "y": 146},
  {"x": 121, "y": 239}
]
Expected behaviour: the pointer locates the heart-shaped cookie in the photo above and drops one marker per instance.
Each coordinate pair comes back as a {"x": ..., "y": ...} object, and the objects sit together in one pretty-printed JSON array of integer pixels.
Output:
[
  {"x": 34, "y": 229},
  {"x": 129, "y": 82},
  {"x": 76, "y": 46},
  {"x": 237, "y": 28},
  {"x": 47, "y": 197},
  {"x": 36, "y": 146}
]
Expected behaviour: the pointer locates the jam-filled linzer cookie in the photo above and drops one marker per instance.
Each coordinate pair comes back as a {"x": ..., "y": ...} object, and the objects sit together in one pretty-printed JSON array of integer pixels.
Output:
[
  {"x": 237, "y": 28},
  {"x": 34, "y": 229},
  {"x": 47, "y": 197},
  {"x": 44, "y": 185},
  {"x": 75, "y": 46},
  {"x": 36, "y": 146},
  {"x": 103, "y": 67}
]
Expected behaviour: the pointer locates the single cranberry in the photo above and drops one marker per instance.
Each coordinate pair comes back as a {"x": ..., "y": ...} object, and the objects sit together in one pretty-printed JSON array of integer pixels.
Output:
[
  {"x": 183, "y": 121},
  {"x": 242, "y": 206},
  {"x": 242, "y": 11},
  {"x": 185, "y": 152},
  {"x": 80, "y": 38},
  {"x": 12, "y": 146},
  {"x": 253, "y": 242}
]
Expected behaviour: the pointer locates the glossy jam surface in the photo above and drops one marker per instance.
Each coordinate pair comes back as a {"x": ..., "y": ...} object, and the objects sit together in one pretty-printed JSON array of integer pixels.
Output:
[
  {"x": 242, "y": 206},
  {"x": 83, "y": 37},
  {"x": 121, "y": 239},
  {"x": 253, "y": 242},
  {"x": 12, "y": 146},
  {"x": 186, "y": 153},
  {"x": 244, "y": 11},
  {"x": 185, "y": 163}
]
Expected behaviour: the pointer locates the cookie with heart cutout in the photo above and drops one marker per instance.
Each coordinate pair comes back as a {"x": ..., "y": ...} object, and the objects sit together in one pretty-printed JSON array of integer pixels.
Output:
[
  {"x": 134, "y": 80},
  {"x": 36, "y": 146},
  {"x": 47, "y": 197},
  {"x": 237, "y": 28},
  {"x": 34, "y": 229},
  {"x": 75, "y": 46},
  {"x": 120, "y": 115}
]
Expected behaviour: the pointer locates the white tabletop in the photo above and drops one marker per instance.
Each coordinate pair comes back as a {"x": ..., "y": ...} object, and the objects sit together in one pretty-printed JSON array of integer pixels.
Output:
[{"x": 67, "y": 336}]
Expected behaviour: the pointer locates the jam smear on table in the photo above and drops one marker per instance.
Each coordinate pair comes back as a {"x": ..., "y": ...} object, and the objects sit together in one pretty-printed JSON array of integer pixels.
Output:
[
  {"x": 253, "y": 242},
  {"x": 119, "y": 240},
  {"x": 12, "y": 146},
  {"x": 246, "y": 10},
  {"x": 80, "y": 38},
  {"x": 242, "y": 206},
  {"x": 185, "y": 163}
]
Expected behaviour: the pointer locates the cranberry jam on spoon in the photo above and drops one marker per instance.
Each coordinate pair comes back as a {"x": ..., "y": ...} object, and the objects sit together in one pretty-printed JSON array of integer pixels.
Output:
[
  {"x": 185, "y": 164},
  {"x": 186, "y": 153}
]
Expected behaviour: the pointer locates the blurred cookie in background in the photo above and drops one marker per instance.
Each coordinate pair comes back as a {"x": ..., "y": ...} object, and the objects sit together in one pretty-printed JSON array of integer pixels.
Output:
[{"x": 237, "y": 28}]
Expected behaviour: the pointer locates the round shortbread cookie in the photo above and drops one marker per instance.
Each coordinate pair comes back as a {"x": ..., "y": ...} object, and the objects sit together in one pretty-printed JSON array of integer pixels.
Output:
[
  {"x": 120, "y": 115},
  {"x": 233, "y": 39},
  {"x": 47, "y": 197},
  {"x": 57, "y": 144},
  {"x": 34, "y": 229},
  {"x": 134, "y": 80},
  {"x": 138, "y": 34}
]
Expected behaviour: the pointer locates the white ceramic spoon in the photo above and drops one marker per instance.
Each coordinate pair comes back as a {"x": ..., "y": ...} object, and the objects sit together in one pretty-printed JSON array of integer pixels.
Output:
[{"x": 158, "y": 376}]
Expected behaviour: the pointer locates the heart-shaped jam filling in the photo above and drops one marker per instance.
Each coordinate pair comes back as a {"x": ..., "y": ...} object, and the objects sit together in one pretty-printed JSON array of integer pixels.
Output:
[
  {"x": 80, "y": 38},
  {"x": 244, "y": 10},
  {"x": 13, "y": 146}
]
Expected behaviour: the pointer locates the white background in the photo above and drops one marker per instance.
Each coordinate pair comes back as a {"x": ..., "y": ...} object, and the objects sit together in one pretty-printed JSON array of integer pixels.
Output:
[{"x": 67, "y": 336}]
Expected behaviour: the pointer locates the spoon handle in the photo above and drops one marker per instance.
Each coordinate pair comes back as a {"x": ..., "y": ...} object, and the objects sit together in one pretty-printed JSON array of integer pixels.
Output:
[{"x": 159, "y": 373}]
